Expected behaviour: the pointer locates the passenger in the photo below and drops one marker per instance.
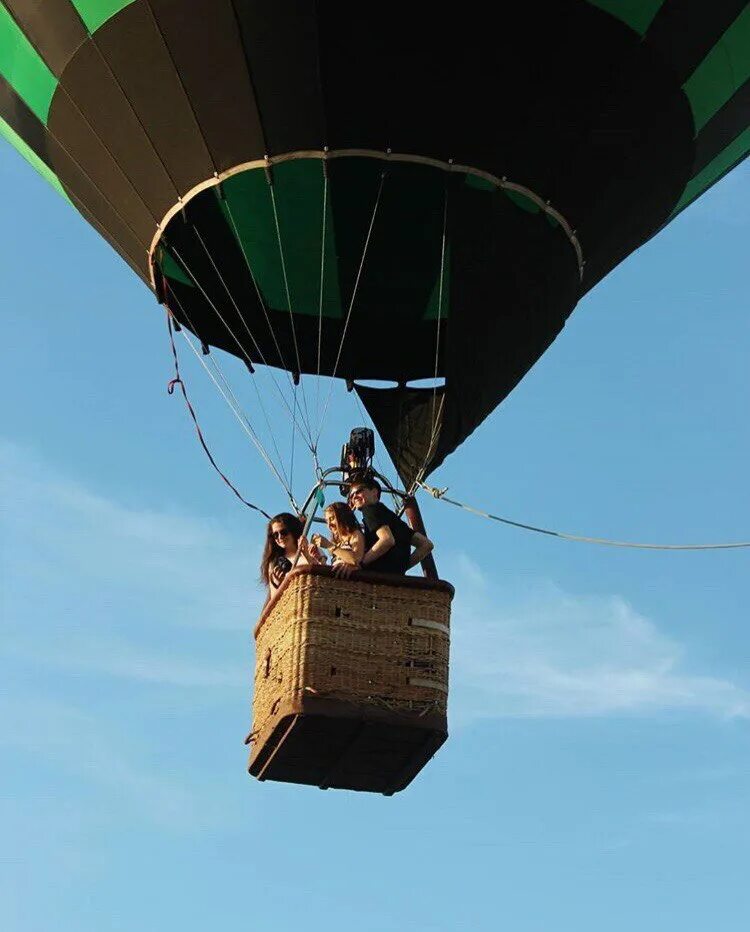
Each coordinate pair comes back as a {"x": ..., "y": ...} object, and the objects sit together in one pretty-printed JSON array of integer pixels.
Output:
[
  {"x": 388, "y": 539},
  {"x": 284, "y": 541},
  {"x": 347, "y": 543}
]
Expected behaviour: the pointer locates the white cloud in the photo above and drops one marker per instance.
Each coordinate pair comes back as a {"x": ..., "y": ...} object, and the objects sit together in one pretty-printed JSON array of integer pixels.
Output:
[
  {"x": 70, "y": 550},
  {"x": 104, "y": 755},
  {"x": 117, "y": 594},
  {"x": 545, "y": 653},
  {"x": 111, "y": 615},
  {"x": 102, "y": 655}
]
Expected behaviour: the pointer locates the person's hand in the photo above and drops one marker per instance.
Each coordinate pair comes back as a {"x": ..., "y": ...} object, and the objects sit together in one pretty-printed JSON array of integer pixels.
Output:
[
  {"x": 344, "y": 570},
  {"x": 277, "y": 576},
  {"x": 317, "y": 554},
  {"x": 303, "y": 545}
]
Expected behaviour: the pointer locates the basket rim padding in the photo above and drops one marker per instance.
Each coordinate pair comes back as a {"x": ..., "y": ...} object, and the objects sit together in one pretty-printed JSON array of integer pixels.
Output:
[{"x": 383, "y": 579}]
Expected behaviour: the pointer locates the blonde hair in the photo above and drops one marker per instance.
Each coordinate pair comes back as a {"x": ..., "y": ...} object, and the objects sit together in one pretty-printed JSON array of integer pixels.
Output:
[{"x": 346, "y": 521}]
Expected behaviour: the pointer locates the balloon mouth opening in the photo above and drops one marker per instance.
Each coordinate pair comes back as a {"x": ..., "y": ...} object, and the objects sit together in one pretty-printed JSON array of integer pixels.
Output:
[
  {"x": 308, "y": 260},
  {"x": 520, "y": 195}
]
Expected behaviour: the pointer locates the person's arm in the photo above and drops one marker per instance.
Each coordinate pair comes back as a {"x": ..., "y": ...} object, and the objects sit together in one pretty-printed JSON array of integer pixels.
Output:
[
  {"x": 385, "y": 540},
  {"x": 357, "y": 541},
  {"x": 423, "y": 546},
  {"x": 352, "y": 554}
]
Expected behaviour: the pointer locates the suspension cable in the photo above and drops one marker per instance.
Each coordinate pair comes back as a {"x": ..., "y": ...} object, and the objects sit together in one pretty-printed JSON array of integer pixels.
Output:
[
  {"x": 231, "y": 332},
  {"x": 322, "y": 278},
  {"x": 177, "y": 380},
  {"x": 440, "y": 494},
  {"x": 240, "y": 413},
  {"x": 261, "y": 300},
  {"x": 235, "y": 305},
  {"x": 291, "y": 458},
  {"x": 306, "y": 415},
  {"x": 436, "y": 417},
  {"x": 312, "y": 446},
  {"x": 242, "y": 419},
  {"x": 351, "y": 303},
  {"x": 237, "y": 407}
]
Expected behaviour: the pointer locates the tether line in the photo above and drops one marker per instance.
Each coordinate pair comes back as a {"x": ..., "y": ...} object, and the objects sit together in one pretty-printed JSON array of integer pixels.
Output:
[{"x": 440, "y": 494}]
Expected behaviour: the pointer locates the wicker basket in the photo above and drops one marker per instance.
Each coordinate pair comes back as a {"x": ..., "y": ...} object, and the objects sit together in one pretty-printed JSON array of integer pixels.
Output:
[{"x": 351, "y": 680}]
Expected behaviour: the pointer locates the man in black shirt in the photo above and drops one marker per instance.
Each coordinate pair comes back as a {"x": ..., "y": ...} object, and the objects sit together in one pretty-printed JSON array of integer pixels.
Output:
[{"x": 388, "y": 539}]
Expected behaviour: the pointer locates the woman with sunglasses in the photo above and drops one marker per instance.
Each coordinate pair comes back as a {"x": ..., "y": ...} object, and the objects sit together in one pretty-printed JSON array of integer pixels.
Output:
[{"x": 284, "y": 545}]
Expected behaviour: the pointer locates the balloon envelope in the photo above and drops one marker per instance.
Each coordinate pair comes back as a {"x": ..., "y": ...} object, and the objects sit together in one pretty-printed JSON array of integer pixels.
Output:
[{"x": 388, "y": 192}]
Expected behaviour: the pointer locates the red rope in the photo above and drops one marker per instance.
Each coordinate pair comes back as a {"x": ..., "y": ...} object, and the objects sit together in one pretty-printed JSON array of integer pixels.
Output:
[{"x": 177, "y": 380}]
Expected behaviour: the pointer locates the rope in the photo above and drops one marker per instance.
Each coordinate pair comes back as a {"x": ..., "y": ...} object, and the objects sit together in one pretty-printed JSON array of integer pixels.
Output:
[
  {"x": 231, "y": 400},
  {"x": 351, "y": 303},
  {"x": 177, "y": 380},
  {"x": 311, "y": 445},
  {"x": 261, "y": 300},
  {"x": 291, "y": 458},
  {"x": 435, "y": 416},
  {"x": 322, "y": 274},
  {"x": 239, "y": 312},
  {"x": 306, "y": 415},
  {"x": 176, "y": 253},
  {"x": 244, "y": 422},
  {"x": 440, "y": 494}
]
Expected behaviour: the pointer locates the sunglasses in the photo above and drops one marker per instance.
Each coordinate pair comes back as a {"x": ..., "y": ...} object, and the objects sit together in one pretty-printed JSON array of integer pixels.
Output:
[
  {"x": 356, "y": 492},
  {"x": 280, "y": 534}
]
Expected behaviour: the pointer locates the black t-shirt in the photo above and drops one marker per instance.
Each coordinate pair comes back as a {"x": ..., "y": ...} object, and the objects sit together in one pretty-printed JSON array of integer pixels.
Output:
[{"x": 397, "y": 558}]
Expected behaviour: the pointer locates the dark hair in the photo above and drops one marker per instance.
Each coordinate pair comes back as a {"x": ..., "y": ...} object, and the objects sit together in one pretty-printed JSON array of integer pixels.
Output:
[
  {"x": 272, "y": 551},
  {"x": 346, "y": 520},
  {"x": 366, "y": 481}
]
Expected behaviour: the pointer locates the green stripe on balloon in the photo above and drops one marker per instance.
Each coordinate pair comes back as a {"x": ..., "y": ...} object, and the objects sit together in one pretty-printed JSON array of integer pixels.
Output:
[
  {"x": 722, "y": 72},
  {"x": 31, "y": 157},
  {"x": 248, "y": 209},
  {"x": 95, "y": 13},
  {"x": 715, "y": 170},
  {"x": 23, "y": 69},
  {"x": 172, "y": 269},
  {"x": 638, "y": 14}
]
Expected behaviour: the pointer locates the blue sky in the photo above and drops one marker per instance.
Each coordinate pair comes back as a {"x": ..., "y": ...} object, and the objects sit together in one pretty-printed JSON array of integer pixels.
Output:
[{"x": 597, "y": 770}]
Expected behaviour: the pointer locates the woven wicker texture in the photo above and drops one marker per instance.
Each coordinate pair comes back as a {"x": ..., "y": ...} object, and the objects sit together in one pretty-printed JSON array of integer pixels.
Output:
[{"x": 361, "y": 641}]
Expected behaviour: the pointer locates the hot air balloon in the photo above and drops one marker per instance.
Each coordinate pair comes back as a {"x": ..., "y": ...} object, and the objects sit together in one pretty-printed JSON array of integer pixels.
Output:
[{"x": 389, "y": 192}]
